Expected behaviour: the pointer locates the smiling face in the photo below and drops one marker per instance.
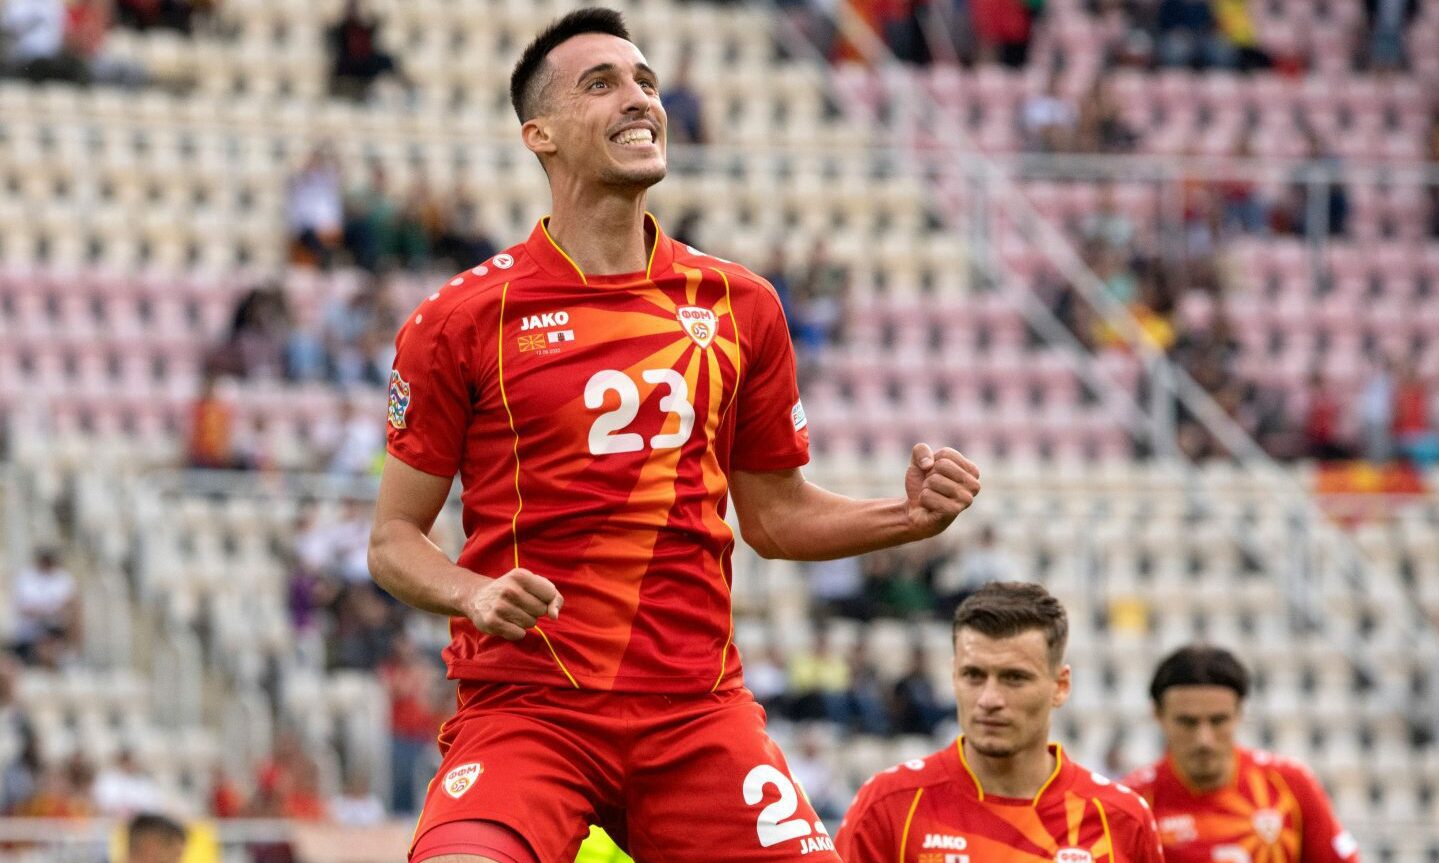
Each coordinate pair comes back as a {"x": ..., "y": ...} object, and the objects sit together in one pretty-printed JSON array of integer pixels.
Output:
[
  {"x": 1006, "y": 688},
  {"x": 601, "y": 120}
]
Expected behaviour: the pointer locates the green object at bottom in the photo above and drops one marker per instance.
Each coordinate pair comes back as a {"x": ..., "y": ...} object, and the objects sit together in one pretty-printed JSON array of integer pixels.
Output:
[{"x": 598, "y": 847}]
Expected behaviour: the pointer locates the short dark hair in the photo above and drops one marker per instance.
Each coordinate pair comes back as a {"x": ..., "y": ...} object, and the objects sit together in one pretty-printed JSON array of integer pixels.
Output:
[
  {"x": 1199, "y": 665},
  {"x": 156, "y": 825},
  {"x": 1004, "y": 609},
  {"x": 527, "y": 82}
]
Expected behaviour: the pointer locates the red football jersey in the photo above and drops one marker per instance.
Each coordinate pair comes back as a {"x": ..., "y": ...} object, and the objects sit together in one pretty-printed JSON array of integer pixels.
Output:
[
  {"x": 935, "y": 811},
  {"x": 593, "y": 421},
  {"x": 1274, "y": 811}
]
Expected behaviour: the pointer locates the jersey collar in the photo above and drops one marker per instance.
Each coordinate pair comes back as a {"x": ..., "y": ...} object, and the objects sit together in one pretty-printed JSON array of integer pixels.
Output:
[
  {"x": 1054, "y": 782},
  {"x": 556, "y": 262}
]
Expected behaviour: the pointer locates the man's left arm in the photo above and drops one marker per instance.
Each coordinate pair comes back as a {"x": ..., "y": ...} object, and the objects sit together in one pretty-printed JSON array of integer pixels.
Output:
[{"x": 783, "y": 515}]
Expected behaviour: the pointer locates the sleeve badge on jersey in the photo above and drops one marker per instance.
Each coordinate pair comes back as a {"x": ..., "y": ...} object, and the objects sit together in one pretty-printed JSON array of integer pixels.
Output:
[
  {"x": 399, "y": 399},
  {"x": 462, "y": 779},
  {"x": 796, "y": 415}
]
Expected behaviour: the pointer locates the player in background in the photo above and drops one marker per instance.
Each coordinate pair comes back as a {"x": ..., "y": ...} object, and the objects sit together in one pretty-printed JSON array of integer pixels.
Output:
[
  {"x": 1216, "y": 801},
  {"x": 1002, "y": 790},
  {"x": 601, "y": 390},
  {"x": 154, "y": 838}
]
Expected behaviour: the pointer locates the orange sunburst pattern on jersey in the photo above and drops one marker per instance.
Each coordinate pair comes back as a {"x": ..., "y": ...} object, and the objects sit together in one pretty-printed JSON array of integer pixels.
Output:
[{"x": 1264, "y": 823}]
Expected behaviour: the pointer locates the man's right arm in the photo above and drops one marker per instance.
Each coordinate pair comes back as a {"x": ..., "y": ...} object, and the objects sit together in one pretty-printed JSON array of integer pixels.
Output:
[{"x": 417, "y": 572}]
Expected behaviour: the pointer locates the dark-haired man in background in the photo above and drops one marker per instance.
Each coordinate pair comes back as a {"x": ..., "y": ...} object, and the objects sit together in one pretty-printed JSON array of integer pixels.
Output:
[
  {"x": 601, "y": 389},
  {"x": 154, "y": 838},
  {"x": 1002, "y": 791},
  {"x": 1216, "y": 801}
]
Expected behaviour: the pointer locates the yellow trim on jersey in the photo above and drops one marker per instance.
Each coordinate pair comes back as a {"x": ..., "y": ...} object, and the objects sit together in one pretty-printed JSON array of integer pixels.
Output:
[
  {"x": 1058, "y": 764},
  {"x": 654, "y": 247},
  {"x": 1104, "y": 822},
  {"x": 738, "y": 366},
  {"x": 544, "y": 226},
  {"x": 729, "y": 639},
  {"x": 519, "y": 497},
  {"x": 561, "y": 664},
  {"x": 504, "y": 399},
  {"x": 979, "y": 787},
  {"x": 909, "y": 819}
]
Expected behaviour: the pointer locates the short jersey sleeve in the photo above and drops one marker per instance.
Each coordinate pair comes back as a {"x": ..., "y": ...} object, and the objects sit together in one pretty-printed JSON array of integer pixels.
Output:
[
  {"x": 771, "y": 432},
  {"x": 1325, "y": 839},
  {"x": 866, "y": 835},
  {"x": 1142, "y": 843},
  {"x": 431, "y": 397}
]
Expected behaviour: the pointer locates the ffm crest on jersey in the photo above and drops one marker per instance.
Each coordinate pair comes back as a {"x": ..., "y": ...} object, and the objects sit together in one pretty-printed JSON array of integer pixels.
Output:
[
  {"x": 698, "y": 323},
  {"x": 462, "y": 779}
]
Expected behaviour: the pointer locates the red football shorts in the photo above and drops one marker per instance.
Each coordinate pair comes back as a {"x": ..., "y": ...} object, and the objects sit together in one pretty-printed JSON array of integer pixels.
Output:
[{"x": 670, "y": 778}]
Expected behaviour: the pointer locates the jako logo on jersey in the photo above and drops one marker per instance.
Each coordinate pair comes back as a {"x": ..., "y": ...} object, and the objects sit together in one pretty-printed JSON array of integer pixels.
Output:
[
  {"x": 548, "y": 319},
  {"x": 699, "y": 323},
  {"x": 462, "y": 779},
  {"x": 504, "y": 262},
  {"x": 1178, "y": 828},
  {"x": 1268, "y": 823},
  {"x": 811, "y": 844},
  {"x": 399, "y": 399},
  {"x": 1073, "y": 855},
  {"x": 945, "y": 842}
]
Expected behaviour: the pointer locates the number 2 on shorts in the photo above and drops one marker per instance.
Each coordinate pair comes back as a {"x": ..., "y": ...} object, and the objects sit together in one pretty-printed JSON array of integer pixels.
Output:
[{"x": 771, "y": 827}]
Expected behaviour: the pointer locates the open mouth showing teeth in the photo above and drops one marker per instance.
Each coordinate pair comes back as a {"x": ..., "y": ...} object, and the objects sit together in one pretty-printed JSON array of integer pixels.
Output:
[{"x": 634, "y": 136}]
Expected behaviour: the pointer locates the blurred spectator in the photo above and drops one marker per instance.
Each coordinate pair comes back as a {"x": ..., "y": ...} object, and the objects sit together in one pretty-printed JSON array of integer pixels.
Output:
[
  {"x": 1376, "y": 413},
  {"x": 836, "y": 587},
  {"x": 123, "y": 788},
  {"x": 809, "y": 765},
  {"x": 819, "y": 680},
  {"x": 19, "y": 750},
  {"x": 352, "y": 445},
  {"x": 1322, "y": 418},
  {"x": 1387, "y": 21},
  {"x": 902, "y": 29},
  {"x": 168, "y": 14},
  {"x": 226, "y": 800},
  {"x": 1107, "y": 224},
  {"x": 914, "y": 707},
  {"x": 87, "y": 23},
  {"x": 1048, "y": 119},
  {"x": 1188, "y": 35},
  {"x": 1414, "y": 431},
  {"x": 259, "y": 336},
  {"x": 33, "y": 33},
  {"x": 61, "y": 791},
  {"x": 414, "y": 684},
  {"x": 820, "y": 296},
  {"x": 869, "y": 711},
  {"x": 358, "y": 61},
  {"x": 356, "y": 805},
  {"x": 765, "y": 677},
  {"x": 974, "y": 566},
  {"x": 372, "y": 223},
  {"x": 684, "y": 107},
  {"x": 1243, "y": 211},
  {"x": 1099, "y": 128},
  {"x": 315, "y": 209},
  {"x": 359, "y": 334},
  {"x": 363, "y": 628},
  {"x": 210, "y": 444},
  {"x": 463, "y": 242},
  {"x": 1002, "y": 29},
  {"x": 151, "y": 838},
  {"x": 46, "y": 602},
  {"x": 1237, "y": 27},
  {"x": 1318, "y": 200},
  {"x": 776, "y": 272},
  {"x": 287, "y": 784}
]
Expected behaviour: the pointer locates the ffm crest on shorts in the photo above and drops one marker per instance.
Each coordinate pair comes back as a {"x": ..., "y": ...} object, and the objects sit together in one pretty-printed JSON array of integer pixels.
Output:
[
  {"x": 1073, "y": 855},
  {"x": 698, "y": 323},
  {"x": 462, "y": 779}
]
